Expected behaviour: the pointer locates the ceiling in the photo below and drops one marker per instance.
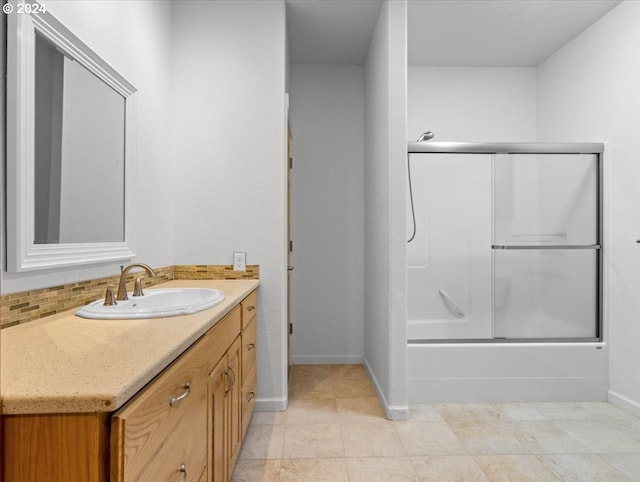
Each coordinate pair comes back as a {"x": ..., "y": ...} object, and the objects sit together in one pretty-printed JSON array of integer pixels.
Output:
[
  {"x": 442, "y": 32},
  {"x": 330, "y": 31}
]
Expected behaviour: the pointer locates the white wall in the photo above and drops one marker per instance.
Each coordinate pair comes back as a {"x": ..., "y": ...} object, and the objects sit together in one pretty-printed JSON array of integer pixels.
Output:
[
  {"x": 3, "y": 143},
  {"x": 134, "y": 37},
  {"x": 385, "y": 178},
  {"x": 472, "y": 104},
  {"x": 228, "y": 190},
  {"x": 327, "y": 213},
  {"x": 589, "y": 91}
]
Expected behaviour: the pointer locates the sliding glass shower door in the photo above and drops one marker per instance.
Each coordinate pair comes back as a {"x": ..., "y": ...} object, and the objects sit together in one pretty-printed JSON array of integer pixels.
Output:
[
  {"x": 545, "y": 245},
  {"x": 507, "y": 245}
]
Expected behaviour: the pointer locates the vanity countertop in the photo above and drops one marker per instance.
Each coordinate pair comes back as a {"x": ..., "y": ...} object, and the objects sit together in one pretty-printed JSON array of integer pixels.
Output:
[{"x": 67, "y": 364}]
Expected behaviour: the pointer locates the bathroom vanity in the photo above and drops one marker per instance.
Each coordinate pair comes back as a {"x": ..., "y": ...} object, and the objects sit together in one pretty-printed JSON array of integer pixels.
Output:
[{"x": 165, "y": 399}]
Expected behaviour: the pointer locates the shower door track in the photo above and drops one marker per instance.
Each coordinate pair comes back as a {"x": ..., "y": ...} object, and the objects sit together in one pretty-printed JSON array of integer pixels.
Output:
[
  {"x": 546, "y": 246},
  {"x": 492, "y": 341}
]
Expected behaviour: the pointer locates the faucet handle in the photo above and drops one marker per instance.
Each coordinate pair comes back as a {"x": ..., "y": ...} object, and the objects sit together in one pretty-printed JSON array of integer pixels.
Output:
[
  {"x": 137, "y": 287},
  {"x": 110, "y": 296}
]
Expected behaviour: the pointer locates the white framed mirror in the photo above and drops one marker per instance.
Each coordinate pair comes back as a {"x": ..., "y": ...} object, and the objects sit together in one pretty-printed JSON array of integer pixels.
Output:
[{"x": 70, "y": 149}]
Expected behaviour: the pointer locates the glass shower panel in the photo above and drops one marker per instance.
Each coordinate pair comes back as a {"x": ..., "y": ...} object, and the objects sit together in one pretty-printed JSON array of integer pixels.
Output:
[
  {"x": 545, "y": 199},
  {"x": 545, "y": 293}
]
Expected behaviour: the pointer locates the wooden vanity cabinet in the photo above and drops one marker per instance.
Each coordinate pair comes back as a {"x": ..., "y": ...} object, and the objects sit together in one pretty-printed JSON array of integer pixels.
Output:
[
  {"x": 187, "y": 424},
  {"x": 161, "y": 431},
  {"x": 229, "y": 415}
]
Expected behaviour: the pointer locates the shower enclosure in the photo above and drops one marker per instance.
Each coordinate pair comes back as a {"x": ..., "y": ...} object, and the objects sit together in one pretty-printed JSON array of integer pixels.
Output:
[{"x": 508, "y": 242}]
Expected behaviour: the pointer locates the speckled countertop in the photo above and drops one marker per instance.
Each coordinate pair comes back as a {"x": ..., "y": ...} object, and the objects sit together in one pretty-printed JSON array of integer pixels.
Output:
[{"x": 67, "y": 364}]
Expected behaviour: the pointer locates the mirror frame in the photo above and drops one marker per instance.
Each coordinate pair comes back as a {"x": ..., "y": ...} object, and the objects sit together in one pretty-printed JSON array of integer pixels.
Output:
[{"x": 22, "y": 253}]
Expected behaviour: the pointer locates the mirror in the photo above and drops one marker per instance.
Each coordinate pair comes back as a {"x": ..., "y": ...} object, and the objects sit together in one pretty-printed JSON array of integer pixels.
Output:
[
  {"x": 69, "y": 150},
  {"x": 79, "y": 152}
]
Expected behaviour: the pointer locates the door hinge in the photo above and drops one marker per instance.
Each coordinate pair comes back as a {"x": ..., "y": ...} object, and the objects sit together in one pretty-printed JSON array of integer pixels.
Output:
[
  {"x": 291, "y": 163},
  {"x": 291, "y": 328},
  {"x": 290, "y": 245}
]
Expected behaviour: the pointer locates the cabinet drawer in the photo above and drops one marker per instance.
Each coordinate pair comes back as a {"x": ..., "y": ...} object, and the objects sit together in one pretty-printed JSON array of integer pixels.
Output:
[
  {"x": 249, "y": 388},
  {"x": 141, "y": 427},
  {"x": 222, "y": 336},
  {"x": 249, "y": 346},
  {"x": 249, "y": 308},
  {"x": 183, "y": 455}
]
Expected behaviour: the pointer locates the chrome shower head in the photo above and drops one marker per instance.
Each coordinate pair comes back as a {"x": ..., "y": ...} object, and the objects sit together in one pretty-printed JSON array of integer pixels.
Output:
[{"x": 426, "y": 136}]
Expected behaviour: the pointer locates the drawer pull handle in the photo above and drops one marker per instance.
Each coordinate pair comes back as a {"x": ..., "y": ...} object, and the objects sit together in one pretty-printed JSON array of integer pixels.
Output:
[
  {"x": 187, "y": 391},
  {"x": 251, "y": 346},
  {"x": 251, "y": 396},
  {"x": 251, "y": 308},
  {"x": 183, "y": 471}
]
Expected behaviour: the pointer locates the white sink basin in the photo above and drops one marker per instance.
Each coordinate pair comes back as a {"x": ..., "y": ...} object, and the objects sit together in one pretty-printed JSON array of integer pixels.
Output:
[{"x": 156, "y": 303}]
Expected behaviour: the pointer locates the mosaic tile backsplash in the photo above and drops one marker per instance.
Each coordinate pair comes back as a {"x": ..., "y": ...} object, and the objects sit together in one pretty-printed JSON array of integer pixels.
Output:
[{"x": 25, "y": 306}]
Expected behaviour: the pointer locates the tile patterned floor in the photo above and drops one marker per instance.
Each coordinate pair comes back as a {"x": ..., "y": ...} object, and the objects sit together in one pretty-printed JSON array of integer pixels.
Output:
[{"x": 335, "y": 430}]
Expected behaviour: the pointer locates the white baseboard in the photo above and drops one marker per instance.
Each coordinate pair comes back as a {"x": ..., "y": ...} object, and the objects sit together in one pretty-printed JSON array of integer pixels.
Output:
[
  {"x": 271, "y": 404},
  {"x": 392, "y": 412},
  {"x": 624, "y": 403},
  {"x": 326, "y": 359}
]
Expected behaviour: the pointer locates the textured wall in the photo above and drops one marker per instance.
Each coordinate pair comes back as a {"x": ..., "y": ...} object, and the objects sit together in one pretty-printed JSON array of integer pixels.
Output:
[
  {"x": 385, "y": 186},
  {"x": 327, "y": 213},
  {"x": 472, "y": 104},
  {"x": 588, "y": 91},
  {"x": 228, "y": 118}
]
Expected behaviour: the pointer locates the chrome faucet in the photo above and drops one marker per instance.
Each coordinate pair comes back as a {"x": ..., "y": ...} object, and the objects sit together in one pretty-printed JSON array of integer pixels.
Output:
[{"x": 122, "y": 285}]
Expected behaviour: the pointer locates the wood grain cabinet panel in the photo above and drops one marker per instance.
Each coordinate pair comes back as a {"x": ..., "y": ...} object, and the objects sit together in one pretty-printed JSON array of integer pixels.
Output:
[
  {"x": 249, "y": 372},
  {"x": 248, "y": 397},
  {"x": 249, "y": 308},
  {"x": 183, "y": 455},
  {"x": 144, "y": 424},
  {"x": 218, "y": 385},
  {"x": 249, "y": 346},
  {"x": 235, "y": 402},
  {"x": 223, "y": 335},
  {"x": 55, "y": 447}
]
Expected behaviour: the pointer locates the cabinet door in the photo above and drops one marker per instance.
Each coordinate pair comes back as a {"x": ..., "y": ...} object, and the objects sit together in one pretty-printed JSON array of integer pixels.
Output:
[
  {"x": 218, "y": 387},
  {"x": 234, "y": 400}
]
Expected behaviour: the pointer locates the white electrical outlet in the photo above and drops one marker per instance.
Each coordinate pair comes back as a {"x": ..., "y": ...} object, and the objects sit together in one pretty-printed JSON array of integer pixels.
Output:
[{"x": 239, "y": 261}]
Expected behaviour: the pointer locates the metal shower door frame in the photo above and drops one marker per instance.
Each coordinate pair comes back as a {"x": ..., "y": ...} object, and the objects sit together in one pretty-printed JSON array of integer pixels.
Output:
[{"x": 594, "y": 148}]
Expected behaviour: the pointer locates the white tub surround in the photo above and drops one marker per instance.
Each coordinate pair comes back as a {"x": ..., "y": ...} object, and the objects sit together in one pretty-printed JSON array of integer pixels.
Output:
[{"x": 507, "y": 372}]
